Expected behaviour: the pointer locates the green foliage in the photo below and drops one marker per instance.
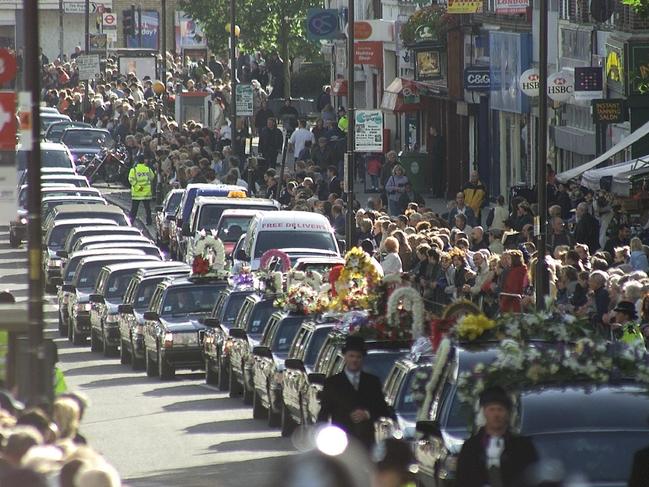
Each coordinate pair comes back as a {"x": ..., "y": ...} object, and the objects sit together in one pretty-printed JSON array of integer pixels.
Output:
[
  {"x": 260, "y": 22},
  {"x": 641, "y": 7},
  {"x": 309, "y": 81},
  {"x": 432, "y": 16}
]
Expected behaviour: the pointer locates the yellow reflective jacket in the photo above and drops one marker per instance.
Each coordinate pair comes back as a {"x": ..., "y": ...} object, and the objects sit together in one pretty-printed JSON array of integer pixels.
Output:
[
  {"x": 475, "y": 195},
  {"x": 140, "y": 178}
]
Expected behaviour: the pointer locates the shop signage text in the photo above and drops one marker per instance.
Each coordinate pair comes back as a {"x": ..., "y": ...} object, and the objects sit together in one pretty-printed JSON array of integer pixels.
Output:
[
  {"x": 477, "y": 78},
  {"x": 529, "y": 82},
  {"x": 561, "y": 86},
  {"x": 512, "y": 7},
  {"x": 370, "y": 53},
  {"x": 464, "y": 6},
  {"x": 609, "y": 111}
]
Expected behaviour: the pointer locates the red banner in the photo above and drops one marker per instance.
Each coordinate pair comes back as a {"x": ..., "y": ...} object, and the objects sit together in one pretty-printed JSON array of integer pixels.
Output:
[{"x": 370, "y": 53}]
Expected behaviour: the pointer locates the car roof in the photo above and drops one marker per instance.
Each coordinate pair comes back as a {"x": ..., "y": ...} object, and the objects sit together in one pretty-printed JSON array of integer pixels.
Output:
[
  {"x": 174, "y": 281},
  {"x": 583, "y": 406},
  {"x": 320, "y": 260},
  {"x": 124, "y": 245},
  {"x": 107, "y": 228},
  {"x": 145, "y": 264},
  {"x": 126, "y": 257},
  {"x": 87, "y": 223},
  {"x": 108, "y": 238},
  {"x": 47, "y": 145},
  {"x": 66, "y": 173},
  {"x": 86, "y": 129},
  {"x": 88, "y": 208},
  {"x": 165, "y": 267},
  {"x": 72, "y": 198},
  {"x": 213, "y": 200},
  {"x": 100, "y": 252},
  {"x": 239, "y": 212}
]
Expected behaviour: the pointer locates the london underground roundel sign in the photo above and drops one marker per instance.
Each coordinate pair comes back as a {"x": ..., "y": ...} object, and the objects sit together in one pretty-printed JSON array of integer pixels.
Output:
[
  {"x": 529, "y": 82},
  {"x": 561, "y": 86}
]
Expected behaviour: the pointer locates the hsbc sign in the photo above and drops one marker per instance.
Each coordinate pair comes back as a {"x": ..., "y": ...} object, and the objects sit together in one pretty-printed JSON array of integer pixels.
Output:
[
  {"x": 529, "y": 82},
  {"x": 561, "y": 86},
  {"x": 477, "y": 78}
]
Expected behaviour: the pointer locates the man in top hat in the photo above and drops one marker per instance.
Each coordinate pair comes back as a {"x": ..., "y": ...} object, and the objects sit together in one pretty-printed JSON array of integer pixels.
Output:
[
  {"x": 354, "y": 399},
  {"x": 494, "y": 456}
]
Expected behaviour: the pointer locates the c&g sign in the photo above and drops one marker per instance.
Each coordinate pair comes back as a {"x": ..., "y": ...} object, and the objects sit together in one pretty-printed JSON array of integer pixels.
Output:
[{"x": 477, "y": 78}]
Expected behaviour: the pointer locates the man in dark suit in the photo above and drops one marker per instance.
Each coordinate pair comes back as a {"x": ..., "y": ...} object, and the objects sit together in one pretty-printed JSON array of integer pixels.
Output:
[
  {"x": 494, "y": 456},
  {"x": 271, "y": 141},
  {"x": 586, "y": 228},
  {"x": 354, "y": 399},
  {"x": 640, "y": 469},
  {"x": 334, "y": 185}
]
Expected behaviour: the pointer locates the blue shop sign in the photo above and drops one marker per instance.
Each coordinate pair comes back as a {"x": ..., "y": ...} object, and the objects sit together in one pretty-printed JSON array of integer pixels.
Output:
[
  {"x": 510, "y": 54},
  {"x": 477, "y": 78},
  {"x": 322, "y": 23}
]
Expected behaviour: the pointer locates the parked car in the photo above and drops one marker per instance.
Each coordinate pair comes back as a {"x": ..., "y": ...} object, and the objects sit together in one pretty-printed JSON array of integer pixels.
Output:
[
  {"x": 82, "y": 286},
  {"x": 215, "y": 352},
  {"x": 52, "y": 156},
  {"x": 293, "y": 382},
  {"x": 398, "y": 389},
  {"x": 94, "y": 230},
  {"x": 55, "y": 131},
  {"x": 174, "y": 325},
  {"x": 164, "y": 214},
  {"x": 47, "y": 118},
  {"x": 206, "y": 214},
  {"x": 67, "y": 276},
  {"x": 49, "y": 203},
  {"x": 437, "y": 454},
  {"x": 111, "y": 238},
  {"x": 112, "y": 283},
  {"x": 232, "y": 225},
  {"x": 268, "y": 358},
  {"x": 136, "y": 301},
  {"x": 149, "y": 248},
  {"x": 380, "y": 357},
  {"x": 67, "y": 212},
  {"x": 54, "y": 241},
  {"x": 84, "y": 142},
  {"x": 245, "y": 334}
]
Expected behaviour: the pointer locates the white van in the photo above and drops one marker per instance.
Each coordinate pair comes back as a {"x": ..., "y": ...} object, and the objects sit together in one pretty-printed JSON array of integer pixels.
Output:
[{"x": 298, "y": 233}]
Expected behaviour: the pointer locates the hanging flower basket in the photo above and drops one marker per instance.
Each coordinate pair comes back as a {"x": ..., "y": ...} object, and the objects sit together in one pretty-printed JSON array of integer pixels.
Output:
[{"x": 427, "y": 25}]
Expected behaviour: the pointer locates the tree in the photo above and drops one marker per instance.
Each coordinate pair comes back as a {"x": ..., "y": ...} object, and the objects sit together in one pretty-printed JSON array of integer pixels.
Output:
[
  {"x": 641, "y": 7},
  {"x": 260, "y": 22}
]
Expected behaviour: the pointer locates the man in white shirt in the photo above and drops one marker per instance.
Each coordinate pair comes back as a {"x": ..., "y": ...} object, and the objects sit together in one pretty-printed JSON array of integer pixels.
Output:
[{"x": 299, "y": 137}]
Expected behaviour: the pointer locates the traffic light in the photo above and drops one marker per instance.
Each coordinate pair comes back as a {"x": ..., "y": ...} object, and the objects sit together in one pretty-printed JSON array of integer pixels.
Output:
[{"x": 128, "y": 21}]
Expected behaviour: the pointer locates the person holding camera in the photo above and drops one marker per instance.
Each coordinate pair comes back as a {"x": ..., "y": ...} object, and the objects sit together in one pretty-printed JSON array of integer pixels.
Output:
[{"x": 395, "y": 186}]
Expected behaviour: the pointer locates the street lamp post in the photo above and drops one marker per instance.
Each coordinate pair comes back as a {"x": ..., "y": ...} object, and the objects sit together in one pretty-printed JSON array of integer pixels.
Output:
[
  {"x": 233, "y": 77},
  {"x": 541, "y": 284},
  {"x": 349, "y": 166}
]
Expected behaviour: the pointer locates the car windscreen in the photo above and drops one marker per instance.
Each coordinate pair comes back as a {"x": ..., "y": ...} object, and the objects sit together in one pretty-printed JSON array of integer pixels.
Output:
[
  {"x": 294, "y": 239},
  {"x": 117, "y": 284},
  {"x": 317, "y": 340},
  {"x": 49, "y": 158},
  {"x": 87, "y": 138},
  {"x": 232, "y": 307},
  {"x": 189, "y": 299},
  {"x": 233, "y": 227},
  {"x": 174, "y": 202},
  {"x": 71, "y": 269},
  {"x": 144, "y": 292},
  {"x": 600, "y": 456},
  {"x": 87, "y": 275},
  {"x": 57, "y": 236},
  {"x": 285, "y": 333},
  {"x": 259, "y": 316},
  {"x": 22, "y": 198},
  {"x": 380, "y": 363},
  {"x": 406, "y": 401}
]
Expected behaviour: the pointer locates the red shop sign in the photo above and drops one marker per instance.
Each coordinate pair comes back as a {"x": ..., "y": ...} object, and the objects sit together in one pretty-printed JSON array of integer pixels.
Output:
[{"x": 370, "y": 53}]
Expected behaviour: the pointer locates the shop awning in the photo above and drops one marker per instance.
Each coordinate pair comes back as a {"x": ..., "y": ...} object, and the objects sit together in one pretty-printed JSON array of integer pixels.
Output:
[
  {"x": 575, "y": 172},
  {"x": 402, "y": 95},
  {"x": 618, "y": 178}
]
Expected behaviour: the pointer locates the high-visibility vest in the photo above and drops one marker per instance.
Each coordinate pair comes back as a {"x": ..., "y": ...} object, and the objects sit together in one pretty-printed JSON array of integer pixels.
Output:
[{"x": 140, "y": 178}]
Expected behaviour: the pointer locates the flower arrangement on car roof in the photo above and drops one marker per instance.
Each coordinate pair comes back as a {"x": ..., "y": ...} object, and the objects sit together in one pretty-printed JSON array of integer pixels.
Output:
[
  {"x": 298, "y": 299},
  {"x": 352, "y": 283},
  {"x": 209, "y": 257}
]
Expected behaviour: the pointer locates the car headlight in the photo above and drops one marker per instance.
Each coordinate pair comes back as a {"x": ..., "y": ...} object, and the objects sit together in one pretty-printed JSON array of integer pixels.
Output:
[{"x": 180, "y": 339}]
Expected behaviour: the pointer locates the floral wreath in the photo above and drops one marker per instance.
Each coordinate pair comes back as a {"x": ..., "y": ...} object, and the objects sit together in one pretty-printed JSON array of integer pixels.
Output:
[
  {"x": 310, "y": 278},
  {"x": 272, "y": 282},
  {"x": 411, "y": 301},
  {"x": 298, "y": 299},
  {"x": 272, "y": 254},
  {"x": 351, "y": 287},
  {"x": 209, "y": 257},
  {"x": 245, "y": 278}
]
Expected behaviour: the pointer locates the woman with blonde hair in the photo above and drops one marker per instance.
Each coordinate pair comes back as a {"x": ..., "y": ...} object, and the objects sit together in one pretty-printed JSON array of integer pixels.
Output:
[
  {"x": 639, "y": 260},
  {"x": 395, "y": 186},
  {"x": 66, "y": 413},
  {"x": 391, "y": 263}
]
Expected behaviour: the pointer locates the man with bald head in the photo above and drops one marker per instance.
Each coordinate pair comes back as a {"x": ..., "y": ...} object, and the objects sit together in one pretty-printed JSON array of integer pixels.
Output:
[{"x": 586, "y": 228}]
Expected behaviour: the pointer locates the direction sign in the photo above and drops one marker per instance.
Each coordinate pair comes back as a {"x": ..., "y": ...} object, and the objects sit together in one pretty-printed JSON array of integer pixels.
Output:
[
  {"x": 7, "y": 120},
  {"x": 79, "y": 7},
  {"x": 7, "y": 66},
  {"x": 88, "y": 65}
]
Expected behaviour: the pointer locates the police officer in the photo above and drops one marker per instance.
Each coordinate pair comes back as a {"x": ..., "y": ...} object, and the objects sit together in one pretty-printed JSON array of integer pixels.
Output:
[
  {"x": 494, "y": 456},
  {"x": 354, "y": 399},
  {"x": 141, "y": 179}
]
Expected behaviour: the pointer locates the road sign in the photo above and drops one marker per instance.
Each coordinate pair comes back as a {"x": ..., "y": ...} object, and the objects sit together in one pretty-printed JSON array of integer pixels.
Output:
[
  {"x": 7, "y": 66},
  {"x": 88, "y": 65},
  {"x": 109, "y": 21},
  {"x": 80, "y": 7},
  {"x": 7, "y": 120},
  {"x": 245, "y": 100},
  {"x": 322, "y": 24}
]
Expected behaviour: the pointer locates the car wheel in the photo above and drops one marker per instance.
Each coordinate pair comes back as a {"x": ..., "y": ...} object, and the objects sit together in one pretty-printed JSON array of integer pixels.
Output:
[
  {"x": 288, "y": 424},
  {"x": 223, "y": 381},
  {"x": 136, "y": 363},
  {"x": 210, "y": 376},
  {"x": 95, "y": 346},
  {"x": 258, "y": 410},
  {"x": 124, "y": 356},
  {"x": 274, "y": 419},
  {"x": 77, "y": 338},
  {"x": 14, "y": 241},
  {"x": 235, "y": 387},
  {"x": 150, "y": 365},
  {"x": 165, "y": 370}
]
